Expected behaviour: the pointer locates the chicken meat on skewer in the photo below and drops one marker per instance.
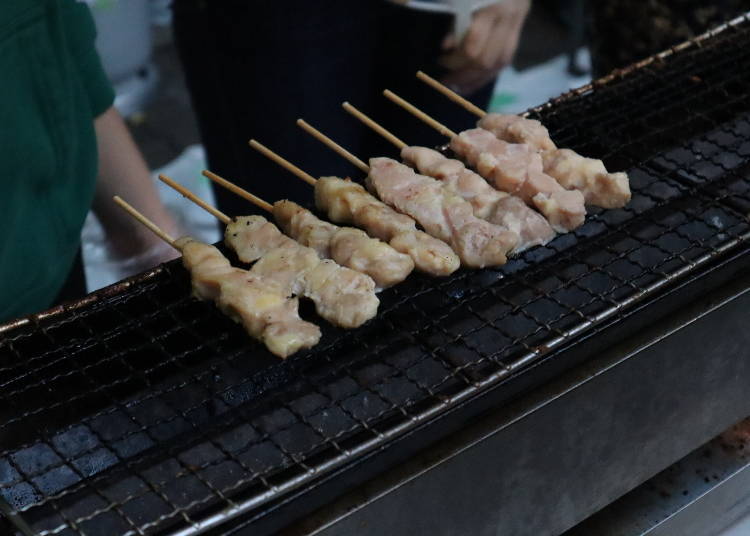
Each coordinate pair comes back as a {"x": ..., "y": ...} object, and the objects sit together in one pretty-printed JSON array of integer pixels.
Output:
[
  {"x": 345, "y": 201},
  {"x": 516, "y": 129},
  {"x": 443, "y": 214},
  {"x": 488, "y": 203},
  {"x": 518, "y": 169},
  {"x": 346, "y": 245},
  {"x": 513, "y": 168},
  {"x": 570, "y": 169},
  {"x": 341, "y": 295},
  {"x": 573, "y": 171},
  {"x": 588, "y": 175},
  {"x": 263, "y": 306}
]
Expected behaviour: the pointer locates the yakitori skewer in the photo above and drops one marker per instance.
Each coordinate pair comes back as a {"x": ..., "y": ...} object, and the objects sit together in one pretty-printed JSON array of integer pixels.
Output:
[
  {"x": 283, "y": 162},
  {"x": 151, "y": 226},
  {"x": 571, "y": 170},
  {"x": 261, "y": 306},
  {"x": 513, "y": 168},
  {"x": 452, "y": 95},
  {"x": 507, "y": 127},
  {"x": 487, "y": 202},
  {"x": 345, "y": 201},
  {"x": 318, "y": 135},
  {"x": 441, "y": 213},
  {"x": 347, "y": 246},
  {"x": 342, "y": 296}
]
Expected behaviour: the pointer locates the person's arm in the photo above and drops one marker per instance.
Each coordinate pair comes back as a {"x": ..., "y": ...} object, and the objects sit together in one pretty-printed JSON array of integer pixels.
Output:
[
  {"x": 487, "y": 47},
  {"x": 123, "y": 172}
]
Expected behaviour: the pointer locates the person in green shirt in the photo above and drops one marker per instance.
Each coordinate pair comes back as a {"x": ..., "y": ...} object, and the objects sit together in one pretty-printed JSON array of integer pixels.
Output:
[{"x": 64, "y": 149}]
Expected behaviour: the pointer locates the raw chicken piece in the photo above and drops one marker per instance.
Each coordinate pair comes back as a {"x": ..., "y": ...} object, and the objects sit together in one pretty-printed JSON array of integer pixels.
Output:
[
  {"x": 599, "y": 187},
  {"x": 347, "y": 246},
  {"x": 517, "y": 129},
  {"x": 518, "y": 170},
  {"x": 488, "y": 203},
  {"x": 342, "y": 296},
  {"x": 441, "y": 213},
  {"x": 348, "y": 202},
  {"x": 262, "y": 306}
]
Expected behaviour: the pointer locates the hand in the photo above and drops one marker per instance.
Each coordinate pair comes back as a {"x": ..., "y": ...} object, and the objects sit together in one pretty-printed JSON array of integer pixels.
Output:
[
  {"x": 487, "y": 47},
  {"x": 134, "y": 248},
  {"x": 158, "y": 253}
]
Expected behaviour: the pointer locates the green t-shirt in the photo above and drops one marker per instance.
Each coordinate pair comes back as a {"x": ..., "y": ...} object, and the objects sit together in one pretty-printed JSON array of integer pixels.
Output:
[{"x": 52, "y": 87}]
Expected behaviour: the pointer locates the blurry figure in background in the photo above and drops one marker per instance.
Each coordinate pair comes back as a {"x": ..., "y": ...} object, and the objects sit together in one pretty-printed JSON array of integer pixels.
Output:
[
  {"x": 64, "y": 149},
  {"x": 253, "y": 68},
  {"x": 623, "y": 31}
]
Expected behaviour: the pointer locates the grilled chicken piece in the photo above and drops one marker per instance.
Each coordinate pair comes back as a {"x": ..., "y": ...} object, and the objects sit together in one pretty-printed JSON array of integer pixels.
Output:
[
  {"x": 441, "y": 213},
  {"x": 517, "y": 129},
  {"x": 347, "y": 246},
  {"x": 518, "y": 170},
  {"x": 571, "y": 170},
  {"x": 588, "y": 175},
  {"x": 342, "y": 296},
  {"x": 454, "y": 176},
  {"x": 348, "y": 202},
  {"x": 497, "y": 207},
  {"x": 305, "y": 227},
  {"x": 263, "y": 307},
  {"x": 515, "y": 215},
  {"x": 387, "y": 266}
]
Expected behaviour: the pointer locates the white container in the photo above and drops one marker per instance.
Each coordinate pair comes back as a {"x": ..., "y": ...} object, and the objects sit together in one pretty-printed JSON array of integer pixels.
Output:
[{"x": 124, "y": 42}]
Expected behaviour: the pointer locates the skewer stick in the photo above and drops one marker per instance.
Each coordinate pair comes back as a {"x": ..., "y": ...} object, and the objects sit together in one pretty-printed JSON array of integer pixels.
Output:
[
  {"x": 145, "y": 221},
  {"x": 328, "y": 142},
  {"x": 445, "y": 131},
  {"x": 254, "y": 199},
  {"x": 452, "y": 95},
  {"x": 374, "y": 126},
  {"x": 223, "y": 218},
  {"x": 283, "y": 162}
]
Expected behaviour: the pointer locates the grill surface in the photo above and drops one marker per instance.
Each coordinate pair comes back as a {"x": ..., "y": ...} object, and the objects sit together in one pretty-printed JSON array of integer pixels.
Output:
[{"x": 141, "y": 410}]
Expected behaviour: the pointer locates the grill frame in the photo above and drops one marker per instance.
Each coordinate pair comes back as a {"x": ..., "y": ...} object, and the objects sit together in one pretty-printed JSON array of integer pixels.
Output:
[{"x": 561, "y": 351}]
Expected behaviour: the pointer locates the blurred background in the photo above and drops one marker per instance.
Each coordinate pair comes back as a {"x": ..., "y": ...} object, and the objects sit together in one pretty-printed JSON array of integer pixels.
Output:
[{"x": 151, "y": 94}]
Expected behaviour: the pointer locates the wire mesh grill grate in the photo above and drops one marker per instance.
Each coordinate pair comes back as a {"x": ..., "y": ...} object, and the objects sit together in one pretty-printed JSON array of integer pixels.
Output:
[{"x": 145, "y": 411}]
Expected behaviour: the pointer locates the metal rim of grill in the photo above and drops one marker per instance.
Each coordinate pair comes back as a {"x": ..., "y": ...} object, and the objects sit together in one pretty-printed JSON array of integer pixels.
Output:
[{"x": 139, "y": 410}]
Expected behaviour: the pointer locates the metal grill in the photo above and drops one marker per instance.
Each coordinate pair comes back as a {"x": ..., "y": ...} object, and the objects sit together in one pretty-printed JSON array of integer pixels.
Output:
[{"x": 143, "y": 411}]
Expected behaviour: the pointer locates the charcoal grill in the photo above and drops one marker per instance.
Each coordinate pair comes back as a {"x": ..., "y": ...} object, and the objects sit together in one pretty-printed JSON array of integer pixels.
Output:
[{"x": 140, "y": 410}]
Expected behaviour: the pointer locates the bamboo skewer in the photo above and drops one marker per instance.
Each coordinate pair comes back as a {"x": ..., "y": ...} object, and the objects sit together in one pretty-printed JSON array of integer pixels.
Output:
[
  {"x": 328, "y": 142},
  {"x": 377, "y": 127},
  {"x": 374, "y": 126},
  {"x": 223, "y": 218},
  {"x": 283, "y": 162},
  {"x": 254, "y": 199},
  {"x": 158, "y": 231},
  {"x": 445, "y": 131},
  {"x": 452, "y": 95}
]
